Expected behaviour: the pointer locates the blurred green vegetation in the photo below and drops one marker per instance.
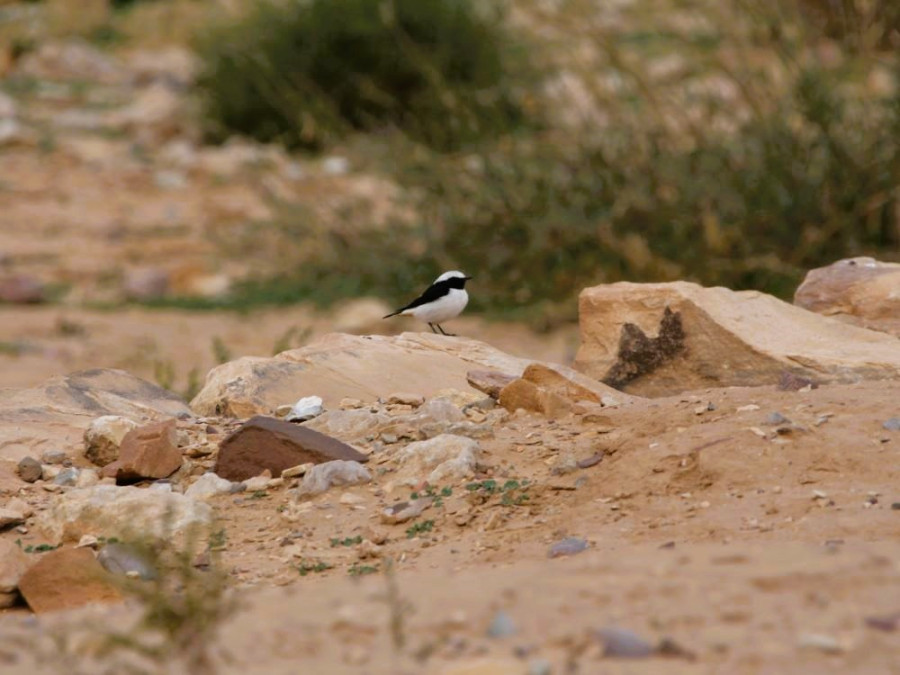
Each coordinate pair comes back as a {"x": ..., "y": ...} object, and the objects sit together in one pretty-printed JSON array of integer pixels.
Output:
[
  {"x": 306, "y": 73},
  {"x": 737, "y": 143}
]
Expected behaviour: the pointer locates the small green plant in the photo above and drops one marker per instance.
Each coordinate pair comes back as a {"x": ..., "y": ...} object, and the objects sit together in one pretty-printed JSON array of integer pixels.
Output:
[
  {"x": 221, "y": 352},
  {"x": 308, "y": 567},
  {"x": 418, "y": 528},
  {"x": 346, "y": 541},
  {"x": 258, "y": 494},
  {"x": 40, "y": 548},
  {"x": 217, "y": 540},
  {"x": 512, "y": 492},
  {"x": 357, "y": 570},
  {"x": 436, "y": 496}
]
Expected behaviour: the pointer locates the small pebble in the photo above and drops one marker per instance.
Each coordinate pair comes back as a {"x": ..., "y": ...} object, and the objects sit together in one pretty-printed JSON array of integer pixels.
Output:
[
  {"x": 54, "y": 457},
  {"x": 568, "y": 546},
  {"x": 892, "y": 424},
  {"x": 776, "y": 418},
  {"x": 501, "y": 625},
  {"x": 624, "y": 644},
  {"x": 29, "y": 469}
]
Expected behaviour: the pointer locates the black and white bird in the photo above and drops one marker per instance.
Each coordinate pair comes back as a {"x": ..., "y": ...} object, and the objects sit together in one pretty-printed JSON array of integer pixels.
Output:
[{"x": 445, "y": 299}]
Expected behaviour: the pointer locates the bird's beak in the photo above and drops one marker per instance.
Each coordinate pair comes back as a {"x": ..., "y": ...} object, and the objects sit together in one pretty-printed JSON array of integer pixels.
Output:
[{"x": 467, "y": 278}]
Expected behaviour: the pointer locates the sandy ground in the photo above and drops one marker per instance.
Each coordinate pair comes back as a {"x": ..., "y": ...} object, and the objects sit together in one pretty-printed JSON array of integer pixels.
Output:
[{"x": 754, "y": 547}]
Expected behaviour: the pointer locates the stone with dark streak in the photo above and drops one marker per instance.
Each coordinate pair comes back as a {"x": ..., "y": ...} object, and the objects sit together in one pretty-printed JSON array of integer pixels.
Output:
[{"x": 267, "y": 443}]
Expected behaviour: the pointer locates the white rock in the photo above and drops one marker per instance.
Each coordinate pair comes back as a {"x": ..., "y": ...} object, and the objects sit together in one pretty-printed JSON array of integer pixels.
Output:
[
  {"x": 19, "y": 506},
  {"x": 87, "y": 478},
  {"x": 208, "y": 485},
  {"x": 104, "y": 436},
  {"x": 257, "y": 483},
  {"x": 111, "y": 511},
  {"x": 305, "y": 409},
  {"x": 445, "y": 458},
  {"x": 349, "y": 425},
  {"x": 338, "y": 472}
]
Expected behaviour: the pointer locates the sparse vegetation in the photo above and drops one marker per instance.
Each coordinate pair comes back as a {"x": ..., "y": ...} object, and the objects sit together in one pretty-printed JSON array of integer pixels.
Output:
[
  {"x": 346, "y": 541},
  {"x": 357, "y": 570},
  {"x": 310, "y": 567},
  {"x": 305, "y": 74},
  {"x": 419, "y": 528},
  {"x": 512, "y": 492}
]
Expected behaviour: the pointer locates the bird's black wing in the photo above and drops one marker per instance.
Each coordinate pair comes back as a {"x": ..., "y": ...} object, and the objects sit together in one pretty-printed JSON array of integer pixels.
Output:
[{"x": 432, "y": 293}]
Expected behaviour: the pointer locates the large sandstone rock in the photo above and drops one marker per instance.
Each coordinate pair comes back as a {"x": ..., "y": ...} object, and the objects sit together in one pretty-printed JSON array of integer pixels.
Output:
[
  {"x": 362, "y": 367},
  {"x": 266, "y": 443},
  {"x": 861, "y": 291},
  {"x": 659, "y": 339},
  {"x": 55, "y": 415},
  {"x": 13, "y": 563},
  {"x": 122, "y": 512},
  {"x": 65, "y": 579}
]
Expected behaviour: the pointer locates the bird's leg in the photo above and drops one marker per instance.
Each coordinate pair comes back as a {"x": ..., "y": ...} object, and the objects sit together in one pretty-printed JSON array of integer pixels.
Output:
[
  {"x": 431, "y": 326},
  {"x": 445, "y": 333}
]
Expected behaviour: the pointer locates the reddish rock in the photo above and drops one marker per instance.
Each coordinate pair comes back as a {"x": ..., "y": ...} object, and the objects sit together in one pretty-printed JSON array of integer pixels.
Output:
[
  {"x": 21, "y": 290},
  {"x": 267, "y": 443},
  {"x": 861, "y": 291},
  {"x": 150, "y": 451},
  {"x": 65, "y": 579},
  {"x": 489, "y": 381},
  {"x": 544, "y": 390}
]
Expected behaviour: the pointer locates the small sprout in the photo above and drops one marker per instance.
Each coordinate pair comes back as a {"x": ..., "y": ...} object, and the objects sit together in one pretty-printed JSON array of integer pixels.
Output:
[
  {"x": 347, "y": 541},
  {"x": 217, "y": 540},
  {"x": 309, "y": 567},
  {"x": 357, "y": 570},
  {"x": 419, "y": 528},
  {"x": 259, "y": 494}
]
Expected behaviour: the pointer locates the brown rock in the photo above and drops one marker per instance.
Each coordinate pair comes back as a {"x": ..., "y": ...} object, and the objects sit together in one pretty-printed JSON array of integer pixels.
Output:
[
  {"x": 489, "y": 381},
  {"x": 65, "y": 579},
  {"x": 546, "y": 391},
  {"x": 359, "y": 367},
  {"x": 21, "y": 290},
  {"x": 267, "y": 443},
  {"x": 660, "y": 339},
  {"x": 861, "y": 291},
  {"x": 150, "y": 451},
  {"x": 13, "y": 563}
]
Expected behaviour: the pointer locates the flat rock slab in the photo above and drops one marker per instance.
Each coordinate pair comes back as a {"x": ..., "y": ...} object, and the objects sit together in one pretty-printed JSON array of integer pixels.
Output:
[
  {"x": 861, "y": 291},
  {"x": 267, "y": 443},
  {"x": 662, "y": 339},
  {"x": 366, "y": 367},
  {"x": 65, "y": 579},
  {"x": 54, "y": 416}
]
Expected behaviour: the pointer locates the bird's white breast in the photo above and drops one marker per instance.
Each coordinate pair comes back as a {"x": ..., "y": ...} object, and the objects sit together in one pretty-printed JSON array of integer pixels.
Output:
[{"x": 443, "y": 309}]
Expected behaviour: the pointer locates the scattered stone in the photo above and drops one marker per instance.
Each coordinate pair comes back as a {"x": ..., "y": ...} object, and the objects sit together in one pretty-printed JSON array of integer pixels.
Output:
[
  {"x": 150, "y": 451},
  {"x": 539, "y": 667},
  {"x": 49, "y": 472},
  {"x": 122, "y": 512},
  {"x": 17, "y": 505},
  {"x": 861, "y": 291},
  {"x": 621, "y": 643},
  {"x": 490, "y": 382},
  {"x": 543, "y": 390},
  {"x": 406, "y": 398},
  {"x": 65, "y": 579},
  {"x": 715, "y": 337},
  {"x": 568, "y": 546},
  {"x": 207, "y": 486},
  {"x": 13, "y": 563},
  {"x": 68, "y": 477},
  {"x": 484, "y": 666},
  {"x": 305, "y": 409},
  {"x": 895, "y": 506},
  {"x": 501, "y": 626},
  {"x": 8, "y": 517},
  {"x": 126, "y": 560},
  {"x": 748, "y": 408},
  {"x": 330, "y": 474},
  {"x": 892, "y": 424},
  {"x": 775, "y": 419},
  {"x": 588, "y": 462},
  {"x": 403, "y": 511},
  {"x": 563, "y": 464},
  {"x": 296, "y": 471},
  {"x": 788, "y": 381},
  {"x": 103, "y": 438},
  {"x": 54, "y": 457},
  {"x": 21, "y": 290},
  {"x": 87, "y": 478},
  {"x": 29, "y": 469},
  {"x": 441, "y": 410},
  {"x": 822, "y": 643},
  {"x": 887, "y": 623},
  {"x": 442, "y": 459},
  {"x": 257, "y": 483},
  {"x": 350, "y": 426},
  {"x": 88, "y": 541}
]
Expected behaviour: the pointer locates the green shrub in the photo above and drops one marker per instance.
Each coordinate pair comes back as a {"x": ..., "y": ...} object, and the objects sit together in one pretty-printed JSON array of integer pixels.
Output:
[{"x": 306, "y": 73}]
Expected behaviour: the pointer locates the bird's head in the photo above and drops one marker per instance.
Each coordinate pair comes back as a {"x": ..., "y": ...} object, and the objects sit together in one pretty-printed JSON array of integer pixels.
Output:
[{"x": 456, "y": 275}]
